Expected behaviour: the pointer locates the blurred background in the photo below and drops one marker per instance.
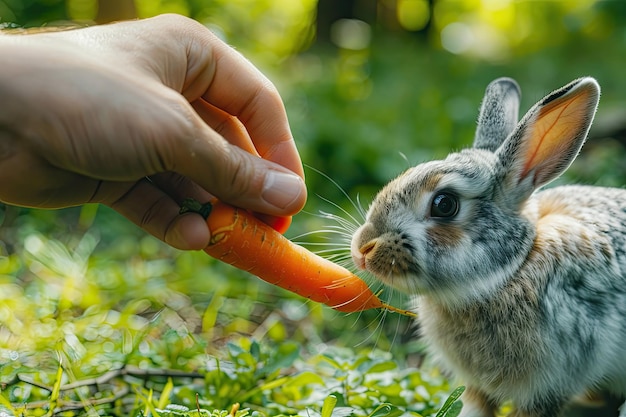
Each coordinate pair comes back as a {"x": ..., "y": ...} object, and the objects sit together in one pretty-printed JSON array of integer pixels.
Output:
[
  {"x": 374, "y": 86},
  {"x": 371, "y": 87}
]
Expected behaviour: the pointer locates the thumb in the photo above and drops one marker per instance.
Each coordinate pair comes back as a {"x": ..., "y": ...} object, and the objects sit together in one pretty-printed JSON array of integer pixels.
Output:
[{"x": 240, "y": 178}]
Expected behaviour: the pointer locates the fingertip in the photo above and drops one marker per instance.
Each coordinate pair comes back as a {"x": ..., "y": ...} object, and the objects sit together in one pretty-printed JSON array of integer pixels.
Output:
[
  {"x": 188, "y": 232},
  {"x": 279, "y": 223},
  {"x": 285, "y": 191}
]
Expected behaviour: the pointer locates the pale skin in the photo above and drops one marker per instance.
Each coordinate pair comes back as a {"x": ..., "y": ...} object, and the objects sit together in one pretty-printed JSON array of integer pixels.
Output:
[{"x": 138, "y": 116}]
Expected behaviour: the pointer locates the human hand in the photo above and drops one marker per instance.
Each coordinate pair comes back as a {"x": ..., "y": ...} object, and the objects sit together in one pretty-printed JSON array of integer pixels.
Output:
[{"x": 138, "y": 116}]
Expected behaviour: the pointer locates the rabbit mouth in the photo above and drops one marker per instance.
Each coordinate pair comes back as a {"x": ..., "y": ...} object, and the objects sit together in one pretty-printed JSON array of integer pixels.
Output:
[
  {"x": 392, "y": 264},
  {"x": 406, "y": 283}
]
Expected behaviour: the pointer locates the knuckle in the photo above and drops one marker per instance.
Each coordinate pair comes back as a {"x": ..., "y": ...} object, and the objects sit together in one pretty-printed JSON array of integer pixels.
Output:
[
  {"x": 173, "y": 134},
  {"x": 150, "y": 218},
  {"x": 174, "y": 21},
  {"x": 184, "y": 27}
]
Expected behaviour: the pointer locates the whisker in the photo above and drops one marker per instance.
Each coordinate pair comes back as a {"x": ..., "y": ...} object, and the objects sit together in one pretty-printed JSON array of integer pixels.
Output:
[
  {"x": 330, "y": 254},
  {"x": 352, "y": 220},
  {"x": 338, "y": 222},
  {"x": 322, "y": 241},
  {"x": 362, "y": 211},
  {"x": 338, "y": 245},
  {"x": 378, "y": 330},
  {"x": 345, "y": 194},
  {"x": 341, "y": 222},
  {"x": 330, "y": 230}
]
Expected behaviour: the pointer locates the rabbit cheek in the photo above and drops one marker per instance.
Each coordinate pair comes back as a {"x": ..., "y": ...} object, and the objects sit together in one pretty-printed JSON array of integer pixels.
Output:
[
  {"x": 442, "y": 241},
  {"x": 446, "y": 236}
]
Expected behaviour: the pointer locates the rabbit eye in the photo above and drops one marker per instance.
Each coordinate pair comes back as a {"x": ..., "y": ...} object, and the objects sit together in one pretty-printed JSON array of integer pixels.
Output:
[{"x": 444, "y": 205}]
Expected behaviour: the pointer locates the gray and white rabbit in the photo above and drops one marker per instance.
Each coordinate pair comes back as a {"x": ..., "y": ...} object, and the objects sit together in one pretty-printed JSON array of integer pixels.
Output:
[{"x": 520, "y": 293}]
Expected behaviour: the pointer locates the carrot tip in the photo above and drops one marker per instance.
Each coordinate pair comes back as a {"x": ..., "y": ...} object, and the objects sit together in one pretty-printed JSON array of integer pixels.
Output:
[
  {"x": 388, "y": 307},
  {"x": 407, "y": 313}
]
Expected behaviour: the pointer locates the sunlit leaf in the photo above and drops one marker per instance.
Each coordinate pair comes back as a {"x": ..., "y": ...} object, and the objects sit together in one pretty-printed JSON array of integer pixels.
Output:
[
  {"x": 386, "y": 410},
  {"x": 448, "y": 406},
  {"x": 328, "y": 406}
]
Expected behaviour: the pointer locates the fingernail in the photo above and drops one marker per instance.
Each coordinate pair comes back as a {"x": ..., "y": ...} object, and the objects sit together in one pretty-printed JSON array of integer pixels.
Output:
[{"x": 281, "y": 189}]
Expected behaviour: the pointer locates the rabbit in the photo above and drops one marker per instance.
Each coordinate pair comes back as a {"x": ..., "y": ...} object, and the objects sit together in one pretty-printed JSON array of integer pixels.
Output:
[{"x": 520, "y": 293}]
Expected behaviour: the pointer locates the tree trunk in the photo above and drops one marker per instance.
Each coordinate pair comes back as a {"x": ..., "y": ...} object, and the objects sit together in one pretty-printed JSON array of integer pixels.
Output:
[{"x": 113, "y": 10}]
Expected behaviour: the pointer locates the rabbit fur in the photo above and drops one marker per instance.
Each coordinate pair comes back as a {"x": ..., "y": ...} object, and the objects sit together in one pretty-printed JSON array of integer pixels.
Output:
[{"x": 520, "y": 293}]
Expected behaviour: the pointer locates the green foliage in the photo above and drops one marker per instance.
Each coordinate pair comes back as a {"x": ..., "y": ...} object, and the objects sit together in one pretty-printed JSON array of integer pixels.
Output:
[{"x": 83, "y": 332}]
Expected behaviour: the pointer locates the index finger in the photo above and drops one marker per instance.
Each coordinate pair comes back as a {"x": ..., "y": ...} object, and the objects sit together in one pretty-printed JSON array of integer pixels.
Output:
[{"x": 240, "y": 89}]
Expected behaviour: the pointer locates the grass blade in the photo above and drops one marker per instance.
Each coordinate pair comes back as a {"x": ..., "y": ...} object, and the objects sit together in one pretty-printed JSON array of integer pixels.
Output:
[
  {"x": 164, "y": 399},
  {"x": 56, "y": 389}
]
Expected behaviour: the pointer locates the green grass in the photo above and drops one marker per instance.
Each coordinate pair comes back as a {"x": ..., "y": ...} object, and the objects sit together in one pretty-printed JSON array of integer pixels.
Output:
[{"x": 97, "y": 324}]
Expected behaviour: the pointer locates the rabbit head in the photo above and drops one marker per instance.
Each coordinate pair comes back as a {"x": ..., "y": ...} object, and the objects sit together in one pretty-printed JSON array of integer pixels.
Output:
[{"x": 455, "y": 229}]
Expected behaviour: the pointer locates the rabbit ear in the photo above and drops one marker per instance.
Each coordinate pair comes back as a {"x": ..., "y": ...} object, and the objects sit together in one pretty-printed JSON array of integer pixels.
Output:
[
  {"x": 498, "y": 114},
  {"x": 548, "y": 138}
]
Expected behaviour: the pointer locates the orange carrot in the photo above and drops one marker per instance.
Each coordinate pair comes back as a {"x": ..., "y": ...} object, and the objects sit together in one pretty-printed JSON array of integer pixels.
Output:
[{"x": 240, "y": 239}]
